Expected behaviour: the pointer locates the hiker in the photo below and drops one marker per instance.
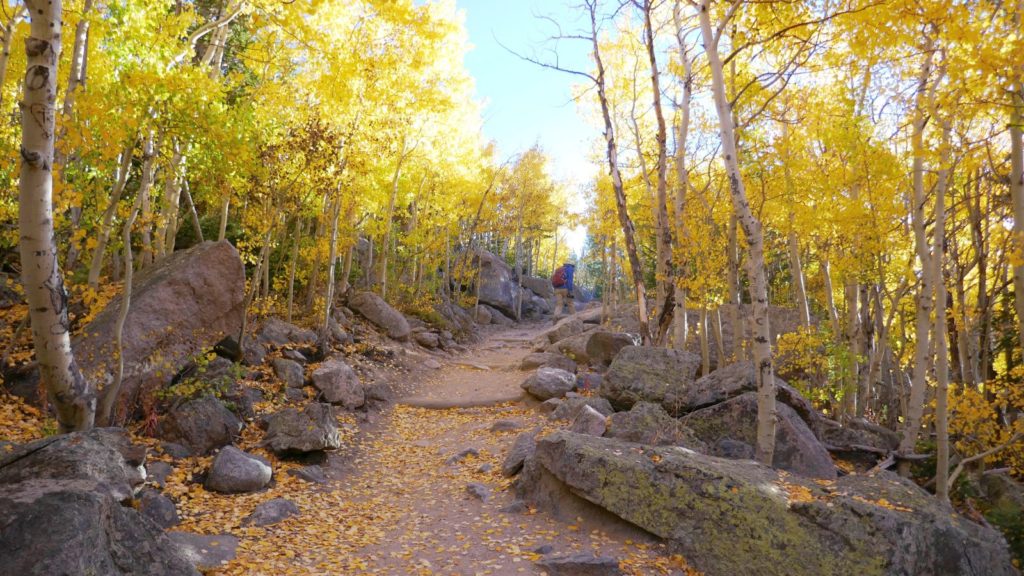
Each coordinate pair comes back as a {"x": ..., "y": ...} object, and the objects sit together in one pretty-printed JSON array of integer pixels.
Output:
[{"x": 562, "y": 281}]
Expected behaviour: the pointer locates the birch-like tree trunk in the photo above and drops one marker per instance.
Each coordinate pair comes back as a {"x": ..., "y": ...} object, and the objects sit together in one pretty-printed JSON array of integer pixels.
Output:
[
  {"x": 925, "y": 294},
  {"x": 71, "y": 395},
  {"x": 76, "y": 77},
  {"x": 625, "y": 222},
  {"x": 167, "y": 225},
  {"x": 8, "y": 37},
  {"x": 1017, "y": 198},
  {"x": 761, "y": 346},
  {"x": 120, "y": 181},
  {"x": 682, "y": 176},
  {"x": 941, "y": 327},
  {"x": 149, "y": 153}
]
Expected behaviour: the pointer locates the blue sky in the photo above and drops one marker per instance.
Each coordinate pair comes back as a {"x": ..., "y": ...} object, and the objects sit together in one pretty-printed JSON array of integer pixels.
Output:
[{"x": 524, "y": 103}]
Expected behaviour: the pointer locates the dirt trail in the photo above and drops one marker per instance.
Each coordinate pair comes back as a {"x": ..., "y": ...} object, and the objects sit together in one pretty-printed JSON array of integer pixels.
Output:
[{"x": 400, "y": 504}]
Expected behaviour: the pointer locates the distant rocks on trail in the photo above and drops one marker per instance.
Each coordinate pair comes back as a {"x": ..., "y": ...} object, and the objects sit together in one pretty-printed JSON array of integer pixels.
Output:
[
  {"x": 235, "y": 471},
  {"x": 540, "y": 286},
  {"x": 647, "y": 374},
  {"x": 201, "y": 425},
  {"x": 339, "y": 384},
  {"x": 547, "y": 360},
  {"x": 271, "y": 512},
  {"x": 381, "y": 314},
  {"x": 648, "y": 423},
  {"x": 575, "y": 347},
  {"x": 497, "y": 288},
  {"x": 293, "y": 432},
  {"x": 739, "y": 517},
  {"x": 564, "y": 328},
  {"x": 602, "y": 347},
  {"x": 569, "y": 408},
  {"x": 497, "y": 317},
  {"x": 62, "y": 509},
  {"x": 548, "y": 383}
]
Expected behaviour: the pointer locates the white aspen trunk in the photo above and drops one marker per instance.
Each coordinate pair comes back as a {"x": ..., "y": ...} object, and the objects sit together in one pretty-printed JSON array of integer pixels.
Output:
[
  {"x": 762, "y": 346},
  {"x": 225, "y": 207},
  {"x": 625, "y": 222},
  {"x": 1017, "y": 198},
  {"x": 382, "y": 275},
  {"x": 193, "y": 215},
  {"x": 76, "y": 77},
  {"x": 329, "y": 292},
  {"x": 733, "y": 280},
  {"x": 925, "y": 294},
  {"x": 851, "y": 291},
  {"x": 705, "y": 345},
  {"x": 830, "y": 302},
  {"x": 294, "y": 263},
  {"x": 149, "y": 154},
  {"x": 719, "y": 339},
  {"x": 72, "y": 396},
  {"x": 108, "y": 397},
  {"x": 941, "y": 327},
  {"x": 120, "y": 180},
  {"x": 799, "y": 285},
  {"x": 682, "y": 177},
  {"x": 167, "y": 225},
  {"x": 664, "y": 240}
]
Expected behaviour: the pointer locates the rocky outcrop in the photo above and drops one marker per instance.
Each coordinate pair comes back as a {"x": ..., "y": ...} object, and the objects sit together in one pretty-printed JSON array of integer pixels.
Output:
[
  {"x": 540, "y": 286},
  {"x": 648, "y": 374},
  {"x": 648, "y": 423},
  {"x": 63, "y": 511},
  {"x": 200, "y": 425},
  {"x": 797, "y": 450},
  {"x": 602, "y": 347},
  {"x": 311, "y": 430},
  {"x": 497, "y": 288},
  {"x": 739, "y": 517},
  {"x": 381, "y": 314},
  {"x": 184, "y": 303},
  {"x": 548, "y": 383}
]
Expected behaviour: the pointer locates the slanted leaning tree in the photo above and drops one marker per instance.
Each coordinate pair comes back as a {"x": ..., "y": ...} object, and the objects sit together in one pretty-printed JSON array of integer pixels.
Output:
[{"x": 44, "y": 287}]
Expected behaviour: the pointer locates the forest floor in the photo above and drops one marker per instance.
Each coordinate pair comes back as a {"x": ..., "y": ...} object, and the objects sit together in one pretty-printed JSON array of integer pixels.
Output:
[{"x": 397, "y": 501}]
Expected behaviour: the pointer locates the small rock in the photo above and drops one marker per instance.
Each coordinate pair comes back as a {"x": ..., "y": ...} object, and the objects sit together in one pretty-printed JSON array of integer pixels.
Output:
[
  {"x": 485, "y": 468},
  {"x": 206, "y": 552},
  {"x": 582, "y": 564},
  {"x": 175, "y": 450},
  {"x": 432, "y": 364},
  {"x": 314, "y": 429},
  {"x": 589, "y": 421},
  {"x": 271, "y": 512},
  {"x": 294, "y": 394},
  {"x": 290, "y": 372},
  {"x": 517, "y": 507},
  {"x": 550, "y": 405},
  {"x": 313, "y": 473},
  {"x": 462, "y": 455},
  {"x": 478, "y": 491},
  {"x": 506, "y": 425},
  {"x": 158, "y": 508},
  {"x": 157, "y": 472},
  {"x": 201, "y": 425},
  {"x": 543, "y": 550},
  {"x": 571, "y": 407},
  {"x": 295, "y": 356},
  {"x": 427, "y": 339},
  {"x": 234, "y": 471}
]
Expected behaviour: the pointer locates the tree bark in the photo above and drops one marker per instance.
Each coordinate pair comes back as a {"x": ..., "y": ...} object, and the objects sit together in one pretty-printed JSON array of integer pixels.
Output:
[
  {"x": 120, "y": 181},
  {"x": 940, "y": 328},
  {"x": 1017, "y": 197},
  {"x": 72, "y": 396},
  {"x": 762, "y": 346},
  {"x": 8, "y": 37},
  {"x": 625, "y": 222}
]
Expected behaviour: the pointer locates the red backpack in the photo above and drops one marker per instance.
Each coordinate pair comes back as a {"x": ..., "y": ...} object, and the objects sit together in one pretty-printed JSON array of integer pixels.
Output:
[{"x": 558, "y": 278}]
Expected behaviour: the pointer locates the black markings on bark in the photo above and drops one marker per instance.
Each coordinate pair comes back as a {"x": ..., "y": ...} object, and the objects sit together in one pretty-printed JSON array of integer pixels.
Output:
[{"x": 37, "y": 77}]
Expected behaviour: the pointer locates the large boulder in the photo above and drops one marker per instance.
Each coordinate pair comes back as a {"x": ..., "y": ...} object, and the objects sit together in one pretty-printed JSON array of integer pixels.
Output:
[
  {"x": 381, "y": 314},
  {"x": 234, "y": 471},
  {"x": 564, "y": 328},
  {"x": 603, "y": 347},
  {"x": 648, "y": 423},
  {"x": 339, "y": 384},
  {"x": 62, "y": 511},
  {"x": 311, "y": 430},
  {"x": 182, "y": 304},
  {"x": 540, "y": 286},
  {"x": 647, "y": 374},
  {"x": 739, "y": 517},
  {"x": 796, "y": 448},
  {"x": 548, "y": 383},
  {"x": 290, "y": 372},
  {"x": 521, "y": 450},
  {"x": 201, "y": 425},
  {"x": 547, "y": 360},
  {"x": 497, "y": 317},
  {"x": 497, "y": 288}
]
